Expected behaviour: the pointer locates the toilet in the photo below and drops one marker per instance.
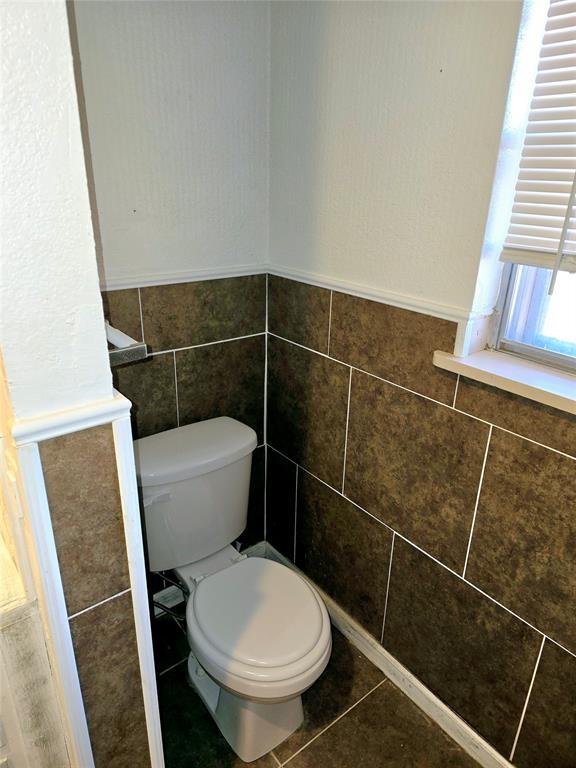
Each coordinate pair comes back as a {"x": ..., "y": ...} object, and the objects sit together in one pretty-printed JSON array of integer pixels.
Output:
[{"x": 259, "y": 634}]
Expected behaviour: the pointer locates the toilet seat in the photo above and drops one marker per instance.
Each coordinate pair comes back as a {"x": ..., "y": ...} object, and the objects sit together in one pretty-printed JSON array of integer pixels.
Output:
[{"x": 259, "y": 629}]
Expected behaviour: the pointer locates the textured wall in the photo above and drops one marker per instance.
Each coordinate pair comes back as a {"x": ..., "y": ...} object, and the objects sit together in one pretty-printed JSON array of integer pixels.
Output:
[
  {"x": 451, "y": 502},
  {"x": 385, "y": 126},
  {"x": 176, "y": 96},
  {"x": 53, "y": 338}
]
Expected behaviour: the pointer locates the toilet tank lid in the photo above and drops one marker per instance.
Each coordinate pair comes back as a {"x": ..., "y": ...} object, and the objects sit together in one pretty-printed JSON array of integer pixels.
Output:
[{"x": 195, "y": 449}]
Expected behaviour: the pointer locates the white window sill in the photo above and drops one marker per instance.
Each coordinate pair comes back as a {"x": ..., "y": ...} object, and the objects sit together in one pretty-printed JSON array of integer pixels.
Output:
[{"x": 514, "y": 374}]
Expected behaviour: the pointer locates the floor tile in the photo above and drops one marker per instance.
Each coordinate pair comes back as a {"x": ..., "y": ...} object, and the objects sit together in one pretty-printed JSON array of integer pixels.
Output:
[
  {"x": 384, "y": 729},
  {"x": 348, "y": 676},
  {"x": 191, "y": 738}
]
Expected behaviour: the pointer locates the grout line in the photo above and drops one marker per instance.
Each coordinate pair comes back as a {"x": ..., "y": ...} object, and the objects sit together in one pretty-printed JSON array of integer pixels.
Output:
[
  {"x": 346, "y": 433},
  {"x": 424, "y": 552},
  {"x": 207, "y": 344},
  {"x": 141, "y": 315},
  {"x": 426, "y": 397},
  {"x": 96, "y": 605},
  {"x": 387, "y": 589},
  {"x": 295, "y": 512},
  {"x": 456, "y": 390},
  {"x": 265, "y": 489},
  {"x": 330, "y": 321},
  {"x": 278, "y": 763},
  {"x": 527, "y": 699},
  {"x": 176, "y": 388},
  {"x": 477, "y": 502},
  {"x": 168, "y": 669},
  {"x": 385, "y": 680}
]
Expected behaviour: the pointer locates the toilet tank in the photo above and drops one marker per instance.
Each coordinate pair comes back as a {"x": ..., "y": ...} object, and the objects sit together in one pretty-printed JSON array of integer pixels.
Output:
[{"x": 195, "y": 482}]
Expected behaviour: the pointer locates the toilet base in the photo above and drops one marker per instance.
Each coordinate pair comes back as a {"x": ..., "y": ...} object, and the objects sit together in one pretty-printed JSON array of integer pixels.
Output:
[{"x": 252, "y": 728}]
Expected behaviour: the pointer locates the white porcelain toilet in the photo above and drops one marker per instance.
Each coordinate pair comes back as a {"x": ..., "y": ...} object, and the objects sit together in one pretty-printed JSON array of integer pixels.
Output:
[{"x": 259, "y": 634}]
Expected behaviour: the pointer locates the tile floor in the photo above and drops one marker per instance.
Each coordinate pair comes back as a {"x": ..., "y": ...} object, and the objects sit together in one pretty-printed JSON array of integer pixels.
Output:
[{"x": 354, "y": 718}]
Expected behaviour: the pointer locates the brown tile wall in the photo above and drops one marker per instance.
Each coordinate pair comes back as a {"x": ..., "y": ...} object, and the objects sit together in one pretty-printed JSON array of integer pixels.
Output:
[
  {"x": 84, "y": 500},
  {"x": 208, "y": 347},
  {"x": 440, "y": 513}
]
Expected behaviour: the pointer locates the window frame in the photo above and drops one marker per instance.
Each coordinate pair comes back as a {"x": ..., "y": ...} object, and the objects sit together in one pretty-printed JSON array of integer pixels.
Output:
[{"x": 503, "y": 310}]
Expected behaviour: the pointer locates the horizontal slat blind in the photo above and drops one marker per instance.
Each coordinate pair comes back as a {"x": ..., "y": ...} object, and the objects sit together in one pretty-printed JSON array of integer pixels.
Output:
[{"x": 544, "y": 194}]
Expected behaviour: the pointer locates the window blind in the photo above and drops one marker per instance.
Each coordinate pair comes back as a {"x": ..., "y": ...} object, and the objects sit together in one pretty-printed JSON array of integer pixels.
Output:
[{"x": 542, "y": 230}]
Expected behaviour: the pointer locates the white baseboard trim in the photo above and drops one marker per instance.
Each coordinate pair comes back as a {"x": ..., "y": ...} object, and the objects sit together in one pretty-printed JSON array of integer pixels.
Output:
[
  {"x": 59, "y": 423},
  {"x": 458, "y": 730},
  {"x": 144, "y": 279}
]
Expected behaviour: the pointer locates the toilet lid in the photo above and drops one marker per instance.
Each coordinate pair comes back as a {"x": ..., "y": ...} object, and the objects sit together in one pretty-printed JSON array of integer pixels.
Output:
[{"x": 259, "y": 613}]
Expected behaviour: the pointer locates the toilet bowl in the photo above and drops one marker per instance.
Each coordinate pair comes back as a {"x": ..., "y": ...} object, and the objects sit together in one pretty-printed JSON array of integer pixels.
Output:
[
  {"x": 259, "y": 633},
  {"x": 259, "y": 636}
]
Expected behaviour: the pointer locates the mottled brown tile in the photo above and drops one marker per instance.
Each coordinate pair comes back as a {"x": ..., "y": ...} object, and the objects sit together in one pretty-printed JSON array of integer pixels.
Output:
[
  {"x": 470, "y": 652},
  {"x": 348, "y": 676},
  {"x": 526, "y": 417},
  {"x": 184, "y": 314},
  {"x": 394, "y": 343},
  {"x": 385, "y": 729},
  {"x": 524, "y": 538},
  {"x": 122, "y": 310},
  {"x": 548, "y": 735},
  {"x": 414, "y": 464},
  {"x": 82, "y": 487},
  {"x": 343, "y": 550},
  {"x": 307, "y": 404},
  {"x": 280, "y": 503},
  {"x": 254, "y": 531},
  {"x": 190, "y": 736},
  {"x": 299, "y": 312},
  {"x": 151, "y": 386},
  {"x": 107, "y": 658},
  {"x": 223, "y": 380}
]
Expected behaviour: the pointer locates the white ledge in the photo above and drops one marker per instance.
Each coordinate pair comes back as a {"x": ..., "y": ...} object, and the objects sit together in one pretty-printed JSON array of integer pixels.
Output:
[{"x": 515, "y": 374}]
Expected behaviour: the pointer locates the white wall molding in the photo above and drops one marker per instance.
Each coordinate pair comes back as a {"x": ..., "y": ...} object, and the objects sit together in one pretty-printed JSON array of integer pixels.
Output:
[
  {"x": 73, "y": 420},
  {"x": 44, "y": 561},
  {"x": 136, "y": 566},
  {"x": 144, "y": 279},
  {"x": 477, "y": 747}
]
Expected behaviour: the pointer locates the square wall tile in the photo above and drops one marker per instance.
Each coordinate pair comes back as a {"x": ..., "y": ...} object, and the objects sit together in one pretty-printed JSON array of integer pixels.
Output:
[
  {"x": 414, "y": 464},
  {"x": 343, "y": 550},
  {"x": 396, "y": 344},
  {"x": 223, "y": 380},
  {"x": 107, "y": 657},
  {"x": 470, "y": 652},
  {"x": 122, "y": 310},
  {"x": 524, "y": 542},
  {"x": 548, "y": 735},
  {"x": 151, "y": 386},
  {"x": 526, "y": 417},
  {"x": 299, "y": 312},
  {"x": 184, "y": 314},
  {"x": 307, "y": 405},
  {"x": 281, "y": 503},
  {"x": 254, "y": 531},
  {"x": 84, "y": 499}
]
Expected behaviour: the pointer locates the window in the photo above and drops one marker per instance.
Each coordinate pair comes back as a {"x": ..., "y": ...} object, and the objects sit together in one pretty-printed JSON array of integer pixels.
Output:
[{"x": 538, "y": 302}]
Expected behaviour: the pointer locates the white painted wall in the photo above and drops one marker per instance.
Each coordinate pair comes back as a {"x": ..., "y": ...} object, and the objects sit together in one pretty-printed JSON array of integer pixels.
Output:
[
  {"x": 177, "y": 104},
  {"x": 52, "y": 326},
  {"x": 385, "y": 127}
]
